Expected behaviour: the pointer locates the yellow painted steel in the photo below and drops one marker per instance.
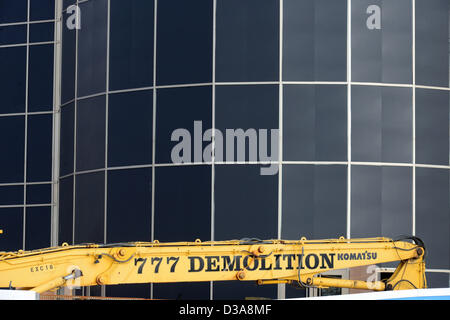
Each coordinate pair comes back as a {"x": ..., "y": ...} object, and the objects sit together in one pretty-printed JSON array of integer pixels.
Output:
[{"x": 267, "y": 261}]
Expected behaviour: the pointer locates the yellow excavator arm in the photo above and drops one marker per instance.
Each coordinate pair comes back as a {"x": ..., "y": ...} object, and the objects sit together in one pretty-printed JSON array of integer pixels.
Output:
[{"x": 264, "y": 261}]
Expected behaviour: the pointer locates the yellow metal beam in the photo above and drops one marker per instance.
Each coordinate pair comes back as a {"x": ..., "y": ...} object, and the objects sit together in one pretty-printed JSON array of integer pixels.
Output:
[{"x": 267, "y": 261}]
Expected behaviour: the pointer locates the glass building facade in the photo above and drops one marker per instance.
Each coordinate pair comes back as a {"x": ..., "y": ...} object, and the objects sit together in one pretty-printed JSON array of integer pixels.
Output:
[
  {"x": 27, "y": 96},
  {"x": 358, "y": 89}
]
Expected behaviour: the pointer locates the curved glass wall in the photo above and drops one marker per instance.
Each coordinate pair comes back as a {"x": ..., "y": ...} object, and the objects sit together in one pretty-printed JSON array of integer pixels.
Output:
[{"x": 359, "y": 91}]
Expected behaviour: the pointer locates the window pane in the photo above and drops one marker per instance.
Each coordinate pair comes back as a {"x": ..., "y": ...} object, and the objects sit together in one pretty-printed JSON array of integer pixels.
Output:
[
  {"x": 130, "y": 128},
  {"x": 432, "y": 126},
  {"x": 185, "y": 41},
  {"x": 42, "y": 32},
  {"x": 241, "y": 290},
  {"x": 40, "y": 88},
  {"x": 131, "y": 44},
  {"x": 315, "y": 123},
  {"x": 382, "y": 41},
  {"x": 66, "y": 3},
  {"x": 315, "y": 40},
  {"x": 68, "y": 56},
  {"x": 91, "y": 130},
  {"x": 437, "y": 280},
  {"x": 11, "y": 195},
  {"x": 39, "y": 154},
  {"x": 65, "y": 218},
  {"x": 396, "y": 41},
  {"x": 92, "y": 48},
  {"x": 250, "y": 108},
  {"x": 129, "y": 189},
  {"x": 189, "y": 105},
  {"x": 433, "y": 215},
  {"x": 381, "y": 197},
  {"x": 12, "y": 144},
  {"x": 39, "y": 194},
  {"x": 67, "y": 139},
  {"x": 89, "y": 208},
  {"x": 13, "y": 11},
  {"x": 247, "y": 40},
  {"x": 11, "y": 220},
  {"x": 314, "y": 202},
  {"x": 432, "y": 50},
  {"x": 183, "y": 203},
  {"x": 129, "y": 291},
  {"x": 12, "y": 79},
  {"x": 38, "y": 228},
  {"x": 42, "y": 9},
  {"x": 13, "y": 34},
  {"x": 381, "y": 124},
  {"x": 243, "y": 194},
  {"x": 182, "y": 291},
  {"x": 294, "y": 292}
]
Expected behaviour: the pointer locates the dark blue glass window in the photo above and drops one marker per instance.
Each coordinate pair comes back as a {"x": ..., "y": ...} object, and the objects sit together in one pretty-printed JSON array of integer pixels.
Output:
[
  {"x": 381, "y": 197},
  {"x": 39, "y": 154},
  {"x": 315, "y": 40},
  {"x": 67, "y": 3},
  {"x": 182, "y": 291},
  {"x": 67, "y": 139},
  {"x": 40, "y": 88},
  {"x": 185, "y": 41},
  {"x": 256, "y": 211},
  {"x": 39, "y": 194},
  {"x": 11, "y": 220},
  {"x": 314, "y": 201},
  {"x": 91, "y": 127},
  {"x": 432, "y": 126},
  {"x": 13, "y": 11},
  {"x": 433, "y": 215},
  {"x": 241, "y": 290},
  {"x": 131, "y": 44},
  {"x": 437, "y": 280},
  {"x": 92, "y": 47},
  {"x": 38, "y": 228},
  {"x": 89, "y": 208},
  {"x": 432, "y": 34},
  {"x": 68, "y": 63},
  {"x": 183, "y": 203},
  {"x": 130, "y": 128},
  {"x": 249, "y": 107},
  {"x": 247, "y": 40},
  {"x": 11, "y": 195},
  {"x": 382, "y": 41},
  {"x": 42, "y": 10},
  {"x": 294, "y": 292},
  {"x": 178, "y": 108},
  {"x": 129, "y": 291},
  {"x": 65, "y": 218},
  {"x": 12, "y": 144},
  {"x": 129, "y": 189},
  {"x": 13, "y": 34},
  {"x": 381, "y": 124},
  {"x": 315, "y": 123},
  {"x": 42, "y": 32},
  {"x": 12, "y": 79}
]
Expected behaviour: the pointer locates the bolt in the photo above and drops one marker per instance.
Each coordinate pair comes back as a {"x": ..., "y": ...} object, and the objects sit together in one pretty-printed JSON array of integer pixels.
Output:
[
  {"x": 100, "y": 280},
  {"x": 241, "y": 275},
  {"x": 122, "y": 252},
  {"x": 419, "y": 251},
  {"x": 261, "y": 249}
]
